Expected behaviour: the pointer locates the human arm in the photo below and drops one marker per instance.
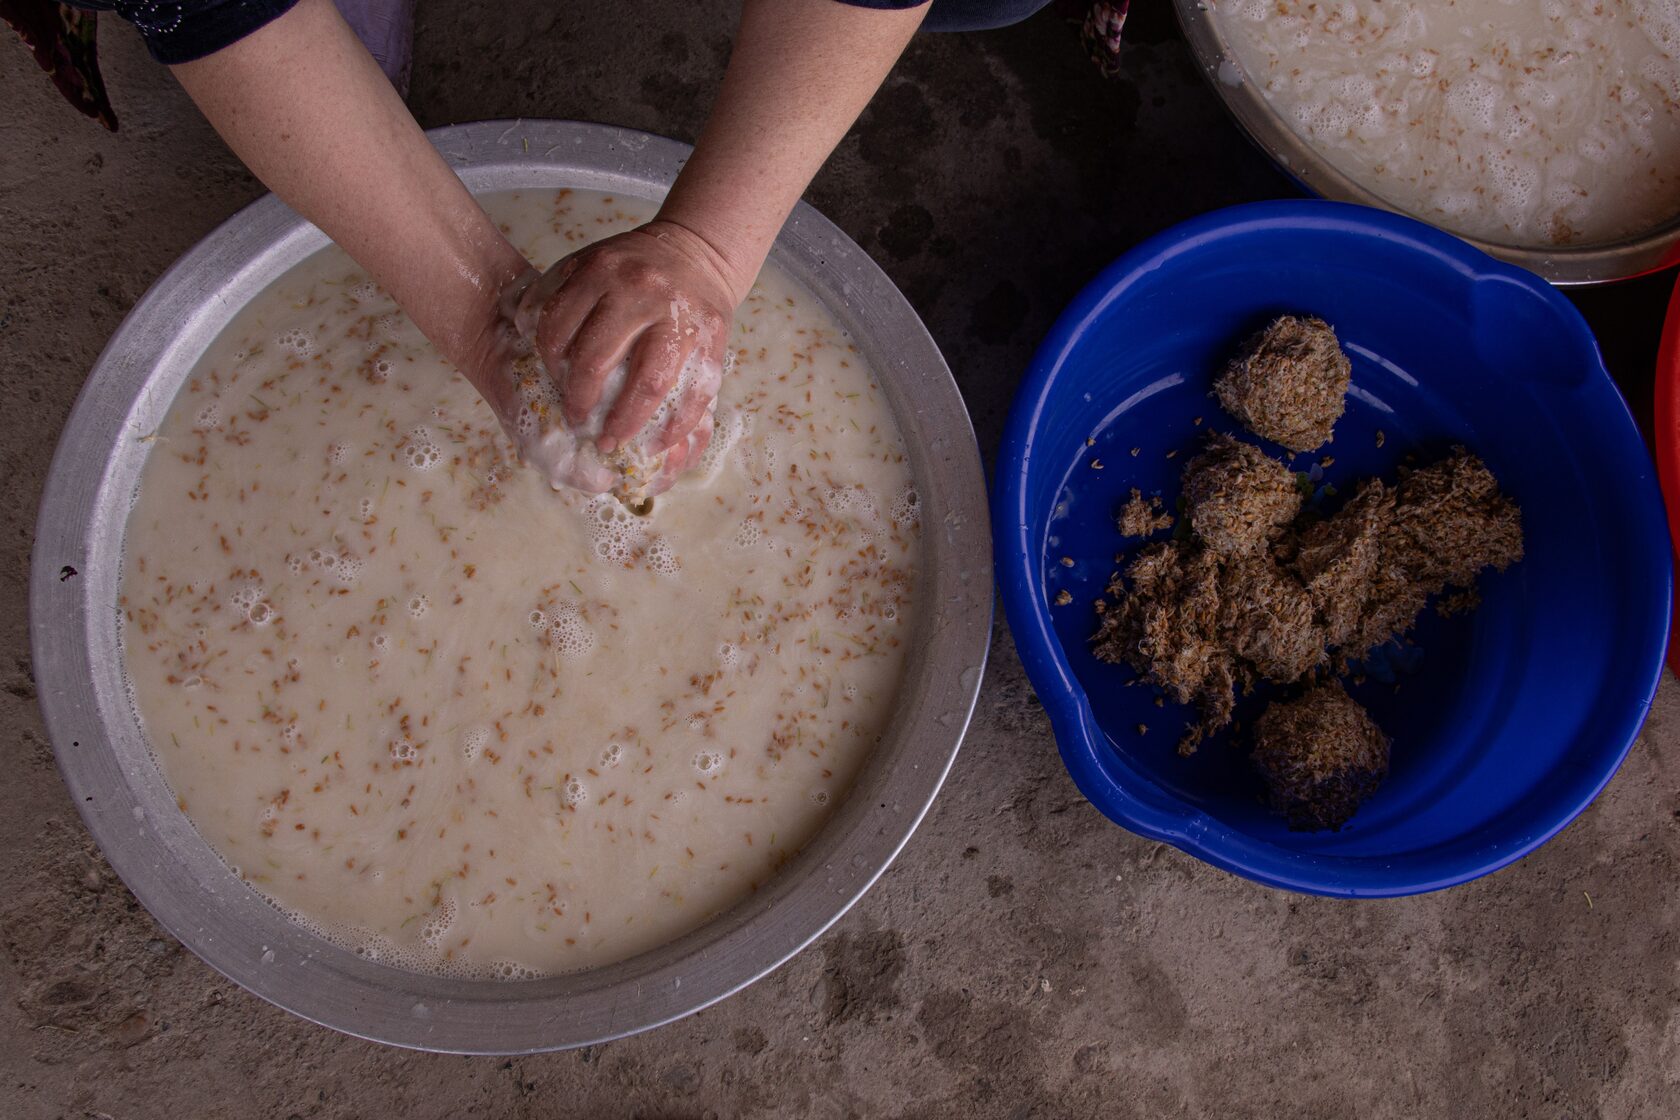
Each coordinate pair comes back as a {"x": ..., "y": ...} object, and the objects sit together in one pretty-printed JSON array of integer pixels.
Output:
[
  {"x": 800, "y": 73},
  {"x": 309, "y": 112}
]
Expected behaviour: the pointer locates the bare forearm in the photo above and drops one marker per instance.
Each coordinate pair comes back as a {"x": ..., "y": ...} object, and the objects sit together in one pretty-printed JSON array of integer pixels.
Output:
[
  {"x": 311, "y": 115},
  {"x": 800, "y": 73}
]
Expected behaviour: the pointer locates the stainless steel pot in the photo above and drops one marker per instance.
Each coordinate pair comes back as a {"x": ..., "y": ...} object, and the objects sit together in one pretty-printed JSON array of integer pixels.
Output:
[
  {"x": 1596, "y": 263},
  {"x": 121, "y": 793}
]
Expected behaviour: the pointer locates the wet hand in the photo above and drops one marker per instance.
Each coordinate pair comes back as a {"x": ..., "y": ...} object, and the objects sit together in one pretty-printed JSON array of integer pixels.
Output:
[{"x": 616, "y": 323}]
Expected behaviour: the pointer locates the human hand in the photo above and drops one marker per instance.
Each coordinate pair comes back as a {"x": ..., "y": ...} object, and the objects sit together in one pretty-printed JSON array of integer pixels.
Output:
[
  {"x": 633, "y": 331},
  {"x": 502, "y": 364}
]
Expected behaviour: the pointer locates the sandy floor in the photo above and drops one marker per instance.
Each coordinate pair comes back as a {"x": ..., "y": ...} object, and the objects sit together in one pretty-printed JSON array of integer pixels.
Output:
[{"x": 1116, "y": 977}]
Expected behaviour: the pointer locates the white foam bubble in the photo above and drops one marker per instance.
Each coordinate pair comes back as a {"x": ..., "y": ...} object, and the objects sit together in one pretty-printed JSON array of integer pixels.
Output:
[
  {"x": 421, "y": 451},
  {"x": 377, "y": 948},
  {"x": 364, "y": 510},
  {"x": 438, "y": 925},
  {"x": 819, "y": 796},
  {"x": 729, "y": 655},
  {"x": 348, "y": 569},
  {"x": 568, "y": 632},
  {"x": 907, "y": 509},
  {"x": 853, "y": 500},
  {"x": 1515, "y": 183},
  {"x": 574, "y": 793},
  {"x": 473, "y": 742},
  {"x": 403, "y": 749},
  {"x": 662, "y": 558},
  {"x": 728, "y": 426},
  {"x": 249, "y": 605},
  {"x": 708, "y": 763},
  {"x": 1456, "y": 203},
  {"x": 615, "y": 535},
  {"x": 539, "y": 390},
  {"x": 1664, "y": 74},
  {"x": 612, "y": 756},
  {"x": 210, "y": 416},
  {"x": 338, "y": 454},
  {"x": 296, "y": 341},
  {"x": 418, "y": 605},
  {"x": 748, "y": 533}
]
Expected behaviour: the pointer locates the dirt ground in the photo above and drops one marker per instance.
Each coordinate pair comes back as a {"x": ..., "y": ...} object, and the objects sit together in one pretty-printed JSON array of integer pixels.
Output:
[{"x": 1115, "y": 977}]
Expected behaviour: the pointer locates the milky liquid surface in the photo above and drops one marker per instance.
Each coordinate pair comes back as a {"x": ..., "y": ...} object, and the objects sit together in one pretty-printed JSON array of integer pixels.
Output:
[
  {"x": 1521, "y": 122},
  {"x": 466, "y": 724}
]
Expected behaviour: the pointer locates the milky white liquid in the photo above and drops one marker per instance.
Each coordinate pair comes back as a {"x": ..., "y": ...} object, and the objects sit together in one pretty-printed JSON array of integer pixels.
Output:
[
  {"x": 463, "y": 723},
  {"x": 1521, "y": 122}
]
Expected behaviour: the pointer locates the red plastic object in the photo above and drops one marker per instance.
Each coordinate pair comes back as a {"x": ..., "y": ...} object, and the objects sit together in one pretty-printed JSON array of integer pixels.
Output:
[{"x": 1668, "y": 444}]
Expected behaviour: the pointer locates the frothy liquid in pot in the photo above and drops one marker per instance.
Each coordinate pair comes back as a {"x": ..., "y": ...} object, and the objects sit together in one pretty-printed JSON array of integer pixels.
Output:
[
  {"x": 465, "y": 724},
  {"x": 1521, "y": 122}
]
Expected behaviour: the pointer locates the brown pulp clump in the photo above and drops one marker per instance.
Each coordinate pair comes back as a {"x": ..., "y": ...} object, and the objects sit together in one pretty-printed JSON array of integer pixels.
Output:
[
  {"x": 1238, "y": 498},
  {"x": 1320, "y": 755},
  {"x": 1142, "y": 517},
  {"x": 1372, "y": 566},
  {"x": 1261, "y": 591},
  {"x": 1259, "y": 595},
  {"x": 1168, "y": 628},
  {"x": 1287, "y": 383}
]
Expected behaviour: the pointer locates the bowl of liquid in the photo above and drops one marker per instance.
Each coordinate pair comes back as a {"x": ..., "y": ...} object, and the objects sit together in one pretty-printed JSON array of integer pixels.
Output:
[
  {"x": 407, "y": 743},
  {"x": 1504, "y": 722},
  {"x": 1545, "y": 134}
]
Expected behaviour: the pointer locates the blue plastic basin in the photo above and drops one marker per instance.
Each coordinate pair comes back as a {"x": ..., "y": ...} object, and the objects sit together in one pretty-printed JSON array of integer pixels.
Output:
[{"x": 1505, "y": 722}]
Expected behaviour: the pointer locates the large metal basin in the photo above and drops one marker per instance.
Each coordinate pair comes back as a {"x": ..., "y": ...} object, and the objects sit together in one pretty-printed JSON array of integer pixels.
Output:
[
  {"x": 121, "y": 792},
  {"x": 1564, "y": 265}
]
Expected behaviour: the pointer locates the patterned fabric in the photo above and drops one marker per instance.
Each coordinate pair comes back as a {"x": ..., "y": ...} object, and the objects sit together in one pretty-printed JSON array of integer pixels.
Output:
[
  {"x": 1100, "y": 33},
  {"x": 186, "y": 30},
  {"x": 63, "y": 36},
  {"x": 63, "y": 40}
]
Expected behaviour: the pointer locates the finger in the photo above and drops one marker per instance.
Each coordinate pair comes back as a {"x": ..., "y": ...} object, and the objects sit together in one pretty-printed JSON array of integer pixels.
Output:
[
  {"x": 699, "y": 439},
  {"x": 659, "y": 355},
  {"x": 560, "y": 318},
  {"x": 687, "y": 454},
  {"x": 600, "y": 343},
  {"x": 694, "y": 405}
]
